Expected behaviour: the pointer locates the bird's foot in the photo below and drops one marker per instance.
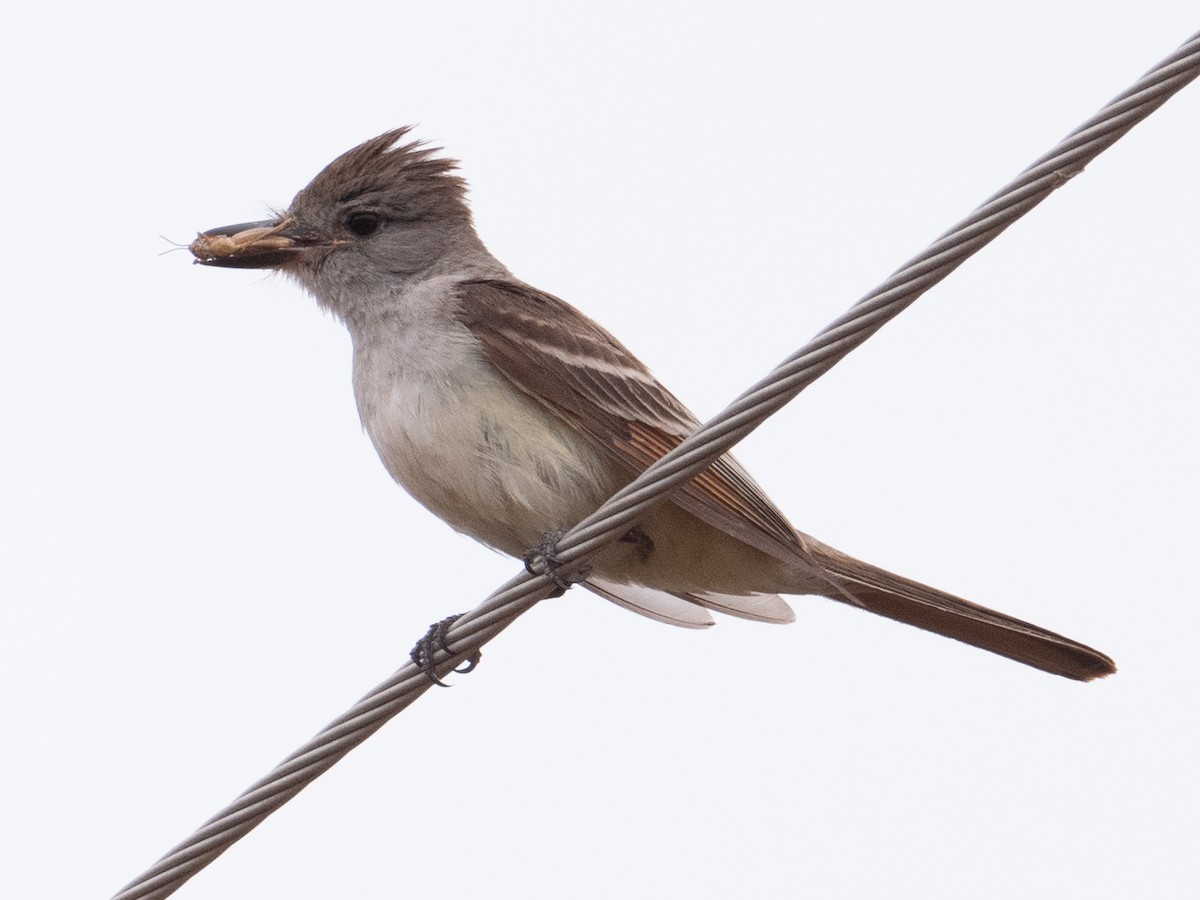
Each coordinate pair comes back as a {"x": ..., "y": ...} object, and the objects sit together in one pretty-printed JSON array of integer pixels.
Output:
[
  {"x": 543, "y": 560},
  {"x": 640, "y": 540},
  {"x": 424, "y": 651}
]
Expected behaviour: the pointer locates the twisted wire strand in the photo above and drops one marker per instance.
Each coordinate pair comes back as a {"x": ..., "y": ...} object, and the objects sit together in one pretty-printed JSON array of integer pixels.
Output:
[{"x": 717, "y": 436}]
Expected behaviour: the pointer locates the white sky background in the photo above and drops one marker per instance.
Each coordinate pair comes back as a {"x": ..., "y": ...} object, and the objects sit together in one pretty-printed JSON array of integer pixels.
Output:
[{"x": 202, "y": 561}]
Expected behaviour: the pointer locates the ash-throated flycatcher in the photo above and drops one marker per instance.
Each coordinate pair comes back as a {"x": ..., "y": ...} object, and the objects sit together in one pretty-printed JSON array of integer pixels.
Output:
[{"x": 511, "y": 415}]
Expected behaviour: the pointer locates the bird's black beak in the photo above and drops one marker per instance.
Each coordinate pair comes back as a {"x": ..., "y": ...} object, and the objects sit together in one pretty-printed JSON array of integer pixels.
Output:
[{"x": 250, "y": 245}]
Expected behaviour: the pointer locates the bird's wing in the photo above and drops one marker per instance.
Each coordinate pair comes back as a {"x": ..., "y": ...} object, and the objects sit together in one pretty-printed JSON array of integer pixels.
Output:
[
  {"x": 659, "y": 605},
  {"x": 568, "y": 363}
]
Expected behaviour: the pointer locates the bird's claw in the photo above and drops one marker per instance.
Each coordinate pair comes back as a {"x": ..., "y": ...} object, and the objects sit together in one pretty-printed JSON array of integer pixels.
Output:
[
  {"x": 425, "y": 650},
  {"x": 543, "y": 560}
]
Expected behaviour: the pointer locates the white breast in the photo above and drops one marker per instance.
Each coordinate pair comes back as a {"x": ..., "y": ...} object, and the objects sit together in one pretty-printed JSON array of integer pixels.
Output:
[{"x": 460, "y": 438}]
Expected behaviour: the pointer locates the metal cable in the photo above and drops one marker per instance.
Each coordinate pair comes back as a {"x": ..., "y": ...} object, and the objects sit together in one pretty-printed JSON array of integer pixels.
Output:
[{"x": 616, "y": 516}]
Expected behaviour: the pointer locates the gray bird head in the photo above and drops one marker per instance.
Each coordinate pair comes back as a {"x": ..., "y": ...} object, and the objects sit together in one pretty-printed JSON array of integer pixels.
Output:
[{"x": 374, "y": 218}]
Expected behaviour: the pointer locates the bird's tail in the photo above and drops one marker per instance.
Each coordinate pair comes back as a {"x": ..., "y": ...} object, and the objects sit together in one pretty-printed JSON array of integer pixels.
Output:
[{"x": 895, "y": 597}]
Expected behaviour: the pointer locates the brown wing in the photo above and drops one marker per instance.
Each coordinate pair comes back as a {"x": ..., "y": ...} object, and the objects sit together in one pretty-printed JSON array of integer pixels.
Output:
[{"x": 567, "y": 362}]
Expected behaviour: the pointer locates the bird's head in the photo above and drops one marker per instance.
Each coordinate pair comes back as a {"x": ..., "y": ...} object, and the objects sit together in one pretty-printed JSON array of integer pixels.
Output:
[{"x": 376, "y": 216}]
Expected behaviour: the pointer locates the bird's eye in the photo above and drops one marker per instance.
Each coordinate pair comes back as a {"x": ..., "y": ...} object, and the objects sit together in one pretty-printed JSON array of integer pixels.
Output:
[{"x": 364, "y": 223}]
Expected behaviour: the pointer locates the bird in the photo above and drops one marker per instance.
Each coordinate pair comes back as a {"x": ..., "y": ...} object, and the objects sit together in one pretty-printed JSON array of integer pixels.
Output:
[{"x": 511, "y": 415}]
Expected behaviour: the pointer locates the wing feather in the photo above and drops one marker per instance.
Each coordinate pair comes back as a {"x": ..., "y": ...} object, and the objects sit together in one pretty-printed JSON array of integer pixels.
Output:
[
  {"x": 658, "y": 605},
  {"x": 575, "y": 368}
]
